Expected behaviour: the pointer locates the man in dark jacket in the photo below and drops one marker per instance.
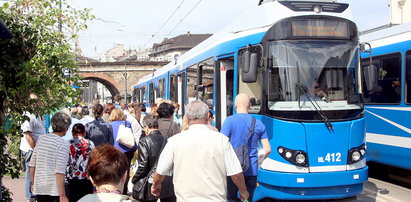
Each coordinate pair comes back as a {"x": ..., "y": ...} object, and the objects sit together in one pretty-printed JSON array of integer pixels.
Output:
[{"x": 149, "y": 149}]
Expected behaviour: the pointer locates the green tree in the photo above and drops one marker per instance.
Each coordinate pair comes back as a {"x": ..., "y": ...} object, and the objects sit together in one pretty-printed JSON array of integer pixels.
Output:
[{"x": 45, "y": 32}]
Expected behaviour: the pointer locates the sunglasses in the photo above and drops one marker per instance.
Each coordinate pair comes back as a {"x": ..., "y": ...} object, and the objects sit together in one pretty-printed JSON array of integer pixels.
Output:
[{"x": 316, "y": 87}]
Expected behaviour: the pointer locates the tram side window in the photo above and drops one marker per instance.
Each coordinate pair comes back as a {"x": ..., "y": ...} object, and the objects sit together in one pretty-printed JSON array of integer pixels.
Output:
[
  {"x": 151, "y": 92},
  {"x": 160, "y": 89},
  {"x": 253, "y": 90},
  {"x": 143, "y": 94},
  {"x": 382, "y": 80},
  {"x": 173, "y": 88},
  {"x": 191, "y": 83},
  {"x": 206, "y": 75},
  {"x": 136, "y": 95},
  {"x": 408, "y": 77}
]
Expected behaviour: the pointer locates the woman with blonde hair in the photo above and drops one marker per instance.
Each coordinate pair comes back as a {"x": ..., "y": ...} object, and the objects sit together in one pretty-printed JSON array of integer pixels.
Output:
[{"x": 116, "y": 119}]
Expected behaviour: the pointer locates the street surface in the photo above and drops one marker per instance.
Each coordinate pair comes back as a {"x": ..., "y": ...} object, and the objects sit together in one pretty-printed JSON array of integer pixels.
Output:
[{"x": 374, "y": 191}]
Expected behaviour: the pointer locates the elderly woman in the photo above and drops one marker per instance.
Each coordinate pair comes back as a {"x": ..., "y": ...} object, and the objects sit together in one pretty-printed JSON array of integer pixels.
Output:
[
  {"x": 116, "y": 119},
  {"x": 51, "y": 154},
  {"x": 149, "y": 150},
  {"x": 166, "y": 124},
  {"x": 107, "y": 170}
]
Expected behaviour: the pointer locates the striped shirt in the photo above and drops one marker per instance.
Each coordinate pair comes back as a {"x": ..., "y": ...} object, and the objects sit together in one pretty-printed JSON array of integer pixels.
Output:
[
  {"x": 49, "y": 158},
  {"x": 200, "y": 161}
]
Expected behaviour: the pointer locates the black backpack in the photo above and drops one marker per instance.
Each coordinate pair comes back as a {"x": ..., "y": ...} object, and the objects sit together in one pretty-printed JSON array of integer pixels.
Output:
[{"x": 242, "y": 151}]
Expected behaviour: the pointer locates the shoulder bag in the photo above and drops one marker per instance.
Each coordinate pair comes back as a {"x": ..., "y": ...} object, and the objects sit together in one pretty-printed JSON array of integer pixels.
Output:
[
  {"x": 125, "y": 136},
  {"x": 242, "y": 151}
]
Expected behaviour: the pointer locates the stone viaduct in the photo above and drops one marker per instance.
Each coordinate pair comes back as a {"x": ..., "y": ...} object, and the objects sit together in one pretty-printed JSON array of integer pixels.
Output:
[{"x": 111, "y": 74}]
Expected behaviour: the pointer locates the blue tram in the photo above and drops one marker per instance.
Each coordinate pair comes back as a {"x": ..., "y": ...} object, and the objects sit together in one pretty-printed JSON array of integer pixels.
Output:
[
  {"x": 274, "y": 53},
  {"x": 387, "y": 96}
]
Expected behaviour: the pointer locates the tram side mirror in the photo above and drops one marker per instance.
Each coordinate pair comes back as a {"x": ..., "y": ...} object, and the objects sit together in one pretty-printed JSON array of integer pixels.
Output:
[{"x": 249, "y": 68}]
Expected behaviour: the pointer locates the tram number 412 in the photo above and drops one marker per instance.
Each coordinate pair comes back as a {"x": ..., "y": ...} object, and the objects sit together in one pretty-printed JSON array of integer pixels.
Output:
[{"x": 330, "y": 157}]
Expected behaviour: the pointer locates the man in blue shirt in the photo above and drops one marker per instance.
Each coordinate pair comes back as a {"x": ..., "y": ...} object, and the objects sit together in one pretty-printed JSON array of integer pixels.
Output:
[{"x": 236, "y": 128}]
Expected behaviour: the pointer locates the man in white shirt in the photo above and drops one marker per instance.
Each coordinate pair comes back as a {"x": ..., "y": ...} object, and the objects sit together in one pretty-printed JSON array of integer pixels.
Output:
[
  {"x": 32, "y": 129},
  {"x": 200, "y": 161}
]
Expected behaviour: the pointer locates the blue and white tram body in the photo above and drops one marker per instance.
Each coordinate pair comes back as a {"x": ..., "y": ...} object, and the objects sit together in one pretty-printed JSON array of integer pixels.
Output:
[
  {"x": 387, "y": 93},
  {"x": 273, "y": 53}
]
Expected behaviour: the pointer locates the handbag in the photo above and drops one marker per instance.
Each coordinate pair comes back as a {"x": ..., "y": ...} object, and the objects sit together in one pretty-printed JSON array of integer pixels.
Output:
[{"x": 125, "y": 136}]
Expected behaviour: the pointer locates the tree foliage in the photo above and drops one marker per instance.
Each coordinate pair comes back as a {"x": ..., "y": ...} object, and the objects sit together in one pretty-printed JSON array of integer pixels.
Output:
[{"x": 45, "y": 33}]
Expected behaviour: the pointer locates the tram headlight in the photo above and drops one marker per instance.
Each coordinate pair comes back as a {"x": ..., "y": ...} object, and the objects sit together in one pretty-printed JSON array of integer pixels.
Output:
[
  {"x": 296, "y": 157},
  {"x": 300, "y": 158},
  {"x": 356, "y": 154},
  {"x": 317, "y": 9},
  {"x": 288, "y": 155}
]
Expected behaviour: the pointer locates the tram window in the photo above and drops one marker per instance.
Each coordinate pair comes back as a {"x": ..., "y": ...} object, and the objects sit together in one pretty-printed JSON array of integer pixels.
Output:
[
  {"x": 173, "y": 88},
  {"x": 387, "y": 89},
  {"x": 151, "y": 93},
  {"x": 253, "y": 90},
  {"x": 206, "y": 73},
  {"x": 136, "y": 95},
  {"x": 229, "y": 91},
  {"x": 143, "y": 94},
  {"x": 191, "y": 83},
  {"x": 160, "y": 89},
  {"x": 408, "y": 77}
]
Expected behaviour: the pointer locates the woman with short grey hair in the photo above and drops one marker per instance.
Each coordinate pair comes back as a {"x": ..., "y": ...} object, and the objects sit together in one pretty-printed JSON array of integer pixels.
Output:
[
  {"x": 51, "y": 153},
  {"x": 60, "y": 122}
]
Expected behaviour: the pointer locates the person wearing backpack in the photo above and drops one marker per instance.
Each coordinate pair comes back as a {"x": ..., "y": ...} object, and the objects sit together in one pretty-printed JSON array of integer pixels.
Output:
[{"x": 245, "y": 132}]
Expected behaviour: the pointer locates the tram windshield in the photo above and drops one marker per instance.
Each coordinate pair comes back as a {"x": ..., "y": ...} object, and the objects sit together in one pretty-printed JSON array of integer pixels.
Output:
[{"x": 308, "y": 76}]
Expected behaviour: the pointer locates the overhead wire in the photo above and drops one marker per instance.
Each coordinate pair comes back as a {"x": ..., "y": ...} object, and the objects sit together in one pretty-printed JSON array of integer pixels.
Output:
[
  {"x": 162, "y": 26},
  {"x": 183, "y": 18}
]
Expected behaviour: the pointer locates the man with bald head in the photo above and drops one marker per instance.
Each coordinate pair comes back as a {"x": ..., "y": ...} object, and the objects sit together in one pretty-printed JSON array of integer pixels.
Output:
[{"x": 236, "y": 127}]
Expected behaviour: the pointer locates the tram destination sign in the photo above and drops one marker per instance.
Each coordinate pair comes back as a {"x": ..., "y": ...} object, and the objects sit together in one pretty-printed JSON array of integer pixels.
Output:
[{"x": 319, "y": 28}]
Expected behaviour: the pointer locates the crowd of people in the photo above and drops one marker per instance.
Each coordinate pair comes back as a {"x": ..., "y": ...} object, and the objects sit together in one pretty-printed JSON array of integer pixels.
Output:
[{"x": 177, "y": 158}]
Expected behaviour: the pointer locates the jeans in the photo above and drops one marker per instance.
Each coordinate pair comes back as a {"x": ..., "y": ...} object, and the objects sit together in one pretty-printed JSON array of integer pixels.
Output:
[
  {"x": 27, "y": 180},
  {"x": 232, "y": 190}
]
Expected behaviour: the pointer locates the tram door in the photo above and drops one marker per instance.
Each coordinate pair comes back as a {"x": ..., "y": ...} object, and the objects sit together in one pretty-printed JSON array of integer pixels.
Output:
[{"x": 225, "y": 90}]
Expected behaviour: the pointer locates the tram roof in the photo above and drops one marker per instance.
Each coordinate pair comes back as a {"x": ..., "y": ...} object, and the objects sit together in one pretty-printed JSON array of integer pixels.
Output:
[
  {"x": 390, "y": 35},
  {"x": 255, "y": 20}
]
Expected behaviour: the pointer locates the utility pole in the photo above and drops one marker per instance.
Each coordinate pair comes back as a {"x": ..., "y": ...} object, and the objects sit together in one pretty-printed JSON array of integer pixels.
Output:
[{"x": 125, "y": 75}]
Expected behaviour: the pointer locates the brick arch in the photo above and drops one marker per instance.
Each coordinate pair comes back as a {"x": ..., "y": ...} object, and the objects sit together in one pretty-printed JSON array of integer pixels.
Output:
[{"x": 112, "y": 85}]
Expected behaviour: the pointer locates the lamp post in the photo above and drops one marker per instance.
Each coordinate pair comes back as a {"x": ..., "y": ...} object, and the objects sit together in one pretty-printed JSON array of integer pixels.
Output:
[{"x": 125, "y": 75}]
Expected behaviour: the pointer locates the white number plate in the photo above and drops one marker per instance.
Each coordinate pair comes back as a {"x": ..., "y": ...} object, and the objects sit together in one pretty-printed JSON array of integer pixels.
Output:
[{"x": 330, "y": 157}]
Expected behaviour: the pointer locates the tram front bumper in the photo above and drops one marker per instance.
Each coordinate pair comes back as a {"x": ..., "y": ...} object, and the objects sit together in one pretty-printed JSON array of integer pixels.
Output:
[{"x": 310, "y": 186}]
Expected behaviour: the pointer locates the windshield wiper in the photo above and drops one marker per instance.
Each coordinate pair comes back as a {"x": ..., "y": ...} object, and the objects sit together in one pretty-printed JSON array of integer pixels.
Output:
[{"x": 317, "y": 107}]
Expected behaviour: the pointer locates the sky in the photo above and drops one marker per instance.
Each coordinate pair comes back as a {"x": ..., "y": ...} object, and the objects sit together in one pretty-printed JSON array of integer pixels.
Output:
[{"x": 139, "y": 23}]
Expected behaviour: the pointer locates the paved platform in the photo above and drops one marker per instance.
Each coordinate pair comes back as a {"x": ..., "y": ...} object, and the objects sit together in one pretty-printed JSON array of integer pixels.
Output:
[
  {"x": 374, "y": 191},
  {"x": 16, "y": 186}
]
